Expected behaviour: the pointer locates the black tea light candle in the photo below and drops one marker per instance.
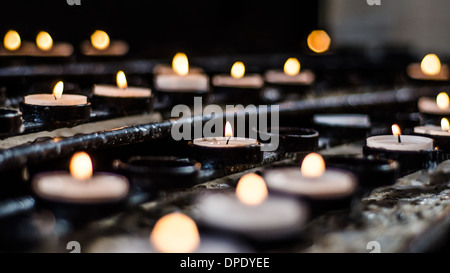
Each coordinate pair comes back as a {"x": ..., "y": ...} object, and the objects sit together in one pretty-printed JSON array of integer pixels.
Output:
[
  {"x": 292, "y": 140},
  {"x": 339, "y": 128},
  {"x": 122, "y": 99},
  {"x": 157, "y": 173},
  {"x": 56, "y": 108},
  {"x": 371, "y": 173},
  {"x": 11, "y": 122}
]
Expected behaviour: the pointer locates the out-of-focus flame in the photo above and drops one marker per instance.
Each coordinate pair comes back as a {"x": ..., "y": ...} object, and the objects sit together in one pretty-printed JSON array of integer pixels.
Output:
[
  {"x": 238, "y": 70},
  {"x": 431, "y": 65},
  {"x": 251, "y": 189},
  {"x": 81, "y": 166},
  {"x": 442, "y": 100},
  {"x": 100, "y": 40},
  {"x": 228, "y": 130},
  {"x": 396, "y": 130},
  {"x": 445, "y": 125},
  {"x": 121, "y": 80},
  {"x": 180, "y": 64},
  {"x": 44, "y": 41},
  {"x": 12, "y": 40},
  {"x": 175, "y": 233},
  {"x": 58, "y": 90},
  {"x": 313, "y": 165},
  {"x": 292, "y": 67},
  {"x": 318, "y": 41}
]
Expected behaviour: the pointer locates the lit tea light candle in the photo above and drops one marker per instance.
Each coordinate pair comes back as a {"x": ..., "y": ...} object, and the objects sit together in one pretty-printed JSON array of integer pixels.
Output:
[
  {"x": 174, "y": 232},
  {"x": 101, "y": 45},
  {"x": 412, "y": 152},
  {"x": 252, "y": 212},
  {"x": 180, "y": 83},
  {"x": 437, "y": 106},
  {"x": 319, "y": 41},
  {"x": 429, "y": 69},
  {"x": 12, "y": 40},
  {"x": 238, "y": 86},
  {"x": 440, "y": 134},
  {"x": 14, "y": 46},
  {"x": 80, "y": 185},
  {"x": 324, "y": 188},
  {"x": 396, "y": 142},
  {"x": 122, "y": 99},
  {"x": 56, "y": 107},
  {"x": 227, "y": 149},
  {"x": 181, "y": 79},
  {"x": 47, "y": 48},
  {"x": 291, "y": 79}
]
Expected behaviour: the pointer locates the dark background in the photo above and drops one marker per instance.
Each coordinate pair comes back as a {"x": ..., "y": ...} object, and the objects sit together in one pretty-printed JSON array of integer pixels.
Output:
[{"x": 158, "y": 29}]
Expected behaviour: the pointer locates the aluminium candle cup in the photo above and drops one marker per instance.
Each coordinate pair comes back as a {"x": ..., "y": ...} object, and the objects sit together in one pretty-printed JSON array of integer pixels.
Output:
[
  {"x": 64, "y": 115},
  {"x": 157, "y": 173},
  {"x": 371, "y": 173},
  {"x": 78, "y": 210},
  {"x": 11, "y": 122},
  {"x": 409, "y": 160},
  {"x": 276, "y": 219},
  {"x": 319, "y": 203},
  {"x": 122, "y": 105},
  {"x": 292, "y": 140},
  {"x": 224, "y": 156}
]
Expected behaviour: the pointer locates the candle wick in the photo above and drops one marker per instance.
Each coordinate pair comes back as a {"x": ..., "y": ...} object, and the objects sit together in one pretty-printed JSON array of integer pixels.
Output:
[
  {"x": 399, "y": 139},
  {"x": 228, "y": 140},
  {"x": 55, "y": 97}
]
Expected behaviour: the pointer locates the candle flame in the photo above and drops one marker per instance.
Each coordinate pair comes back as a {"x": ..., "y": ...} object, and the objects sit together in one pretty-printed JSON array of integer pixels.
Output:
[
  {"x": 58, "y": 90},
  {"x": 292, "y": 67},
  {"x": 228, "y": 130},
  {"x": 81, "y": 166},
  {"x": 121, "y": 80},
  {"x": 318, "y": 41},
  {"x": 175, "y": 233},
  {"x": 180, "y": 64},
  {"x": 313, "y": 165},
  {"x": 12, "y": 40},
  {"x": 44, "y": 41},
  {"x": 442, "y": 100},
  {"x": 238, "y": 70},
  {"x": 396, "y": 130},
  {"x": 100, "y": 40},
  {"x": 251, "y": 189},
  {"x": 431, "y": 65},
  {"x": 445, "y": 125}
]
